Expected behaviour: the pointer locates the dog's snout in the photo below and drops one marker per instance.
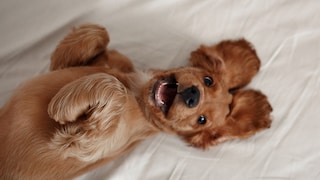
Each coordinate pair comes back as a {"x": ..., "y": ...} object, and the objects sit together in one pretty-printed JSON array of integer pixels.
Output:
[{"x": 191, "y": 96}]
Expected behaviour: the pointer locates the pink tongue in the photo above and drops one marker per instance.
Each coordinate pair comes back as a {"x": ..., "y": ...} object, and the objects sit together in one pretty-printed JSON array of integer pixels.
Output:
[{"x": 167, "y": 94}]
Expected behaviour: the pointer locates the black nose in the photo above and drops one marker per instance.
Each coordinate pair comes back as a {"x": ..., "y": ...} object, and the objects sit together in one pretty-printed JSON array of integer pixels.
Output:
[{"x": 191, "y": 96}]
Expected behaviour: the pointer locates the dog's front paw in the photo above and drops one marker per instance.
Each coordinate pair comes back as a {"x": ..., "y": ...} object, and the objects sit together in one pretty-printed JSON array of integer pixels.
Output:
[
  {"x": 80, "y": 47},
  {"x": 90, "y": 97},
  {"x": 90, "y": 109},
  {"x": 250, "y": 113}
]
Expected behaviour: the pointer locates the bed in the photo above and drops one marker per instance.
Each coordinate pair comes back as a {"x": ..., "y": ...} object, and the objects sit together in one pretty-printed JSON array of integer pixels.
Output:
[{"x": 161, "y": 34}]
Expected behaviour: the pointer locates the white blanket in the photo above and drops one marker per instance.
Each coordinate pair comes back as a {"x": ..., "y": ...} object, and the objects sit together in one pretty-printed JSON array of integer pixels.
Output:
[{"x": 161, "y": 34}]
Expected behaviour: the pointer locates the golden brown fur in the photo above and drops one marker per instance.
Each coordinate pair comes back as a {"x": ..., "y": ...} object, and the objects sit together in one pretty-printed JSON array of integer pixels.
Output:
[{"x": 94, "y": 106}]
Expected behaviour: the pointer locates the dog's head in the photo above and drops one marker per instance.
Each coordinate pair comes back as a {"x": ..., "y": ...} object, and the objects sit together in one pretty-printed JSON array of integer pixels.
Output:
[
  {"x": 195, "y": 101},
  {"x": 187, "y": 99}
]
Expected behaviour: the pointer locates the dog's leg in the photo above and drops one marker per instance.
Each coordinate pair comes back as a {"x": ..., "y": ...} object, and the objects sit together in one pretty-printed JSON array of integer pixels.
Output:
[
  {"x": 80, "y": 47},
  {"x": 119, "y": 61},
  {"x": 86, "y": 45},
  {"x": 88, "y": 110},
  {"x": 236, "y": 61},
  {"x": 250, "y": 113},
  {"x": 86, "y": 96}
]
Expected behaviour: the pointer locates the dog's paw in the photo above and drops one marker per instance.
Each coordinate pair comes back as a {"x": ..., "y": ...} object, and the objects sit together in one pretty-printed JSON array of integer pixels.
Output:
[
  {"x": 80, "y": 47},
  {"x": 250, "y": 113},
  {"x": 90, "y": 98},
  {"x": 89, "y": 110}
]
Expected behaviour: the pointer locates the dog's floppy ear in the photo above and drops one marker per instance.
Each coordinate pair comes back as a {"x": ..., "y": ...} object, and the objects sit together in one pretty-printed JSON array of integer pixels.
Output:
[
  {"x": 205, "y": 138},
  {"x": 250, "y": 113},
  {"x": 235, "y": 61},
  {"x": 80, "y": 47},
  {"x": 200, "y": 59}
]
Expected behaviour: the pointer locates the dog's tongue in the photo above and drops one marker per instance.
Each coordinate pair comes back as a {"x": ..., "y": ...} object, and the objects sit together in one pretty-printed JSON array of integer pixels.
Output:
[{"x": 167, "y": 93}]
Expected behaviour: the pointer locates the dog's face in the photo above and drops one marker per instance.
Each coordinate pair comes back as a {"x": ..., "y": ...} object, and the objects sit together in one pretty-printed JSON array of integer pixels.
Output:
[
  {"x": 194, "y": 102},
  {"x": 187, "y": 100}
]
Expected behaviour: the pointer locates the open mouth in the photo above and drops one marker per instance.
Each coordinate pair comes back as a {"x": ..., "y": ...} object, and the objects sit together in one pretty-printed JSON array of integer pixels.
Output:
[{"x": 165, "y": 91}]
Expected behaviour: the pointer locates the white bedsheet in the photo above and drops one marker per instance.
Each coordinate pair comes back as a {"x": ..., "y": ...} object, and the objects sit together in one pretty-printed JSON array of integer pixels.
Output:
[{"x": 161, "y": 34}]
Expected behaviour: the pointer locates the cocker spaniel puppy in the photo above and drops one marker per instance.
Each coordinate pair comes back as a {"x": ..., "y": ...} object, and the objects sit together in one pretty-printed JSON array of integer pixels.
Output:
[{"x": 95, "y": 106}]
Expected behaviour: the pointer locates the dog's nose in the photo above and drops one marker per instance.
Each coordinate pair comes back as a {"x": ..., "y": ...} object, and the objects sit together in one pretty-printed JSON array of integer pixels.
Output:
[{"x": 191, "y": 96}]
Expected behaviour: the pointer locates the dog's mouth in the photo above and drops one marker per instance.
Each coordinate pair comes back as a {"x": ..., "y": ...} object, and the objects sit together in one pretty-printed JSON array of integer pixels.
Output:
[{"x": 164, "y": 93}]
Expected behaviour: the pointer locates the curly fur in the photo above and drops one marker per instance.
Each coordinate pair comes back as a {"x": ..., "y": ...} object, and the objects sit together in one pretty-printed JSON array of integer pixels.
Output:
[{"x": 95, "y": 106}]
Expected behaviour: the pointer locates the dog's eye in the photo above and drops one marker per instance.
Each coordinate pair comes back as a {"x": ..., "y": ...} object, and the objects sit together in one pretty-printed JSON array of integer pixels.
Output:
[
  {"x": 208, "y": 81},
  {"x": 202, "y": 120}
]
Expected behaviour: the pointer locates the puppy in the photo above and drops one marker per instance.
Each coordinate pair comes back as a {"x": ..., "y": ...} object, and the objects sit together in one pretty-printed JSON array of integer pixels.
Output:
[{"x": 95, "y": 106}]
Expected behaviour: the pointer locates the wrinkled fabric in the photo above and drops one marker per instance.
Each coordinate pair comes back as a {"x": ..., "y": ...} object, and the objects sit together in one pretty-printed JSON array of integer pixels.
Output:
[{"x": 161, "y": 34}]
